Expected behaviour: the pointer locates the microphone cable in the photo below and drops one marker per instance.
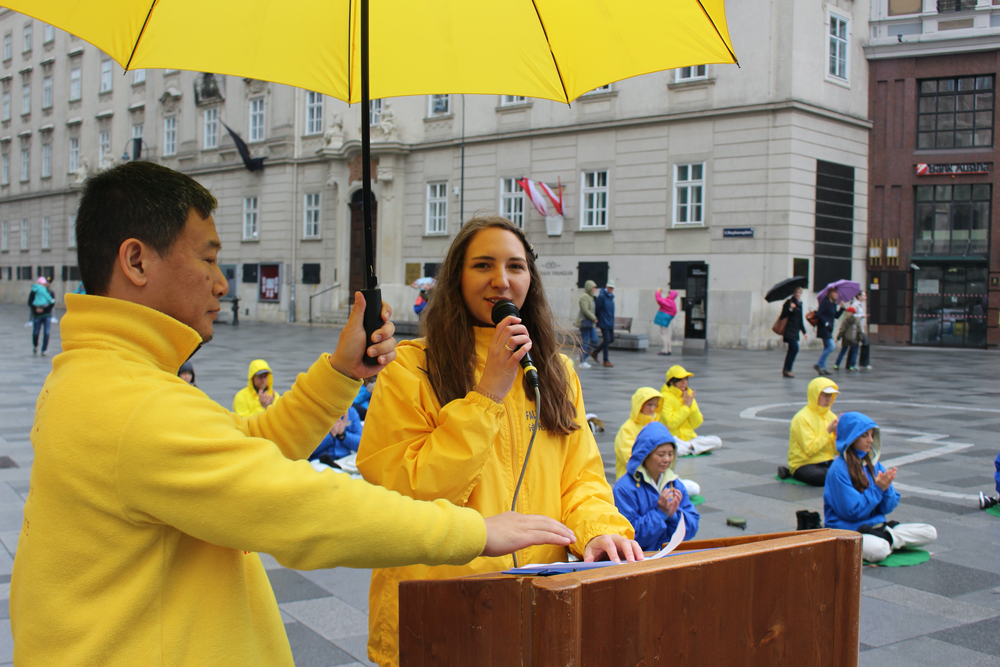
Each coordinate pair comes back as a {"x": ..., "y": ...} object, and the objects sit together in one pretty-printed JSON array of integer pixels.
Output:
[{"x": 527, "y": 455}]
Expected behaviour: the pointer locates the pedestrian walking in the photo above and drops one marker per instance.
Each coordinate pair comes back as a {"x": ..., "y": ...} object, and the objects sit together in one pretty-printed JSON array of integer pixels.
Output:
[
  {"x": 826, "y": 313},
  {"x": 587, "y": 323},
  {"x": 605, "y": 310},
  {"x": 811, "y": 436},
  {"x": 850, "y": 337},
  {"x": 860, "y": 305},
  {"x": 42, "y": 301},
  {"x": 859, "y": 493},
  {"x": 664, "y": 316},
  {"x": 791, "y": 313},
  {"x": 682, "y": 415}
]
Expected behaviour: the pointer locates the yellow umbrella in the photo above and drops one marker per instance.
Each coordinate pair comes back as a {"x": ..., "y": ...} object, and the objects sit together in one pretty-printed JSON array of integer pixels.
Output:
[{"x": 549, "y": 49}]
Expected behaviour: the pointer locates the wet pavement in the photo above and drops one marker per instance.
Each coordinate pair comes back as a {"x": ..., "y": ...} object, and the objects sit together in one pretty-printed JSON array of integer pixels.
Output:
[{"x": 939, "y": 411}]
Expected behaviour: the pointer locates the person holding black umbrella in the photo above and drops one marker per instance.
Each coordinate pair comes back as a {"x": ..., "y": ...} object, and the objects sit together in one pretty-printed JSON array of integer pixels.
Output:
[{"x": 791, "y": 312}]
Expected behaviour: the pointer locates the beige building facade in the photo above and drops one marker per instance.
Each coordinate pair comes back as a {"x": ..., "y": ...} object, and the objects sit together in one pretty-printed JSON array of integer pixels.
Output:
[{"x": 726, "y": 166}]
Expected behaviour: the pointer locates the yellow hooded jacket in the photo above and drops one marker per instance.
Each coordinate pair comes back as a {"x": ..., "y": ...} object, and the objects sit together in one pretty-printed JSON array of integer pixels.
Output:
[
  {"x": 630, "y": 429},
  {"x": 246, "y": 403},
  {"x": 149, "y": 502},
  {"x": 679, "y": 418},
  {"x": 470, "y": 452},
  {"x": 808, "y": 440}
]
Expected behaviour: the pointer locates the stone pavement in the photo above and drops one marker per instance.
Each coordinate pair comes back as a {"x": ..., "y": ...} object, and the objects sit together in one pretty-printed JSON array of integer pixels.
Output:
[{"x": 938, "y": 409}]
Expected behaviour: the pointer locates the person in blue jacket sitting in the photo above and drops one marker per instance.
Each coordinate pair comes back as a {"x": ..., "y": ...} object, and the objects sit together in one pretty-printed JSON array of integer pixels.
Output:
[
  {"x": 859, "y": 492},
  {"x": 650, "y": 495},
  {"x": 364, "y": 397},
  {"x": 342, "y": 440},
  {"x": 985, "y": 501}
]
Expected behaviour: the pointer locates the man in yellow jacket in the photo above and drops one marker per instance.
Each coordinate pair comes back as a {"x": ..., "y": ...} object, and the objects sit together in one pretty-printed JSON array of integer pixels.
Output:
[
  {"x": 682, "y": 416},
  {"x": 647, "y": 404},
  {"x": 149, "y": 501},
  {"x": 259, "y": 394},
  {"x": 812, "y": 437}
]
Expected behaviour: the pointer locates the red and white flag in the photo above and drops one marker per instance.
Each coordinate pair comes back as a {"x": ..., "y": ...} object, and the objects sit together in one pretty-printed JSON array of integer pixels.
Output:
[
  {"x": 535, "y": 195},
  {"x": 557, "y": 200}
]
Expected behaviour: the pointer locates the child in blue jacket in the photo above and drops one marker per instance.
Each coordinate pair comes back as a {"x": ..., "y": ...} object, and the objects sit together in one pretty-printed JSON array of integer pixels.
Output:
[
  {"x": 859, "y": 493},
  {"x": 342, "y": 440},
  {"x": 650, "y": 495}
]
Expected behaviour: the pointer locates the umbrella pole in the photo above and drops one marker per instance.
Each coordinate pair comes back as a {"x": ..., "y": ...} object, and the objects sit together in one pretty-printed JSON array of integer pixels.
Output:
[{"x": 373, "y": 295}]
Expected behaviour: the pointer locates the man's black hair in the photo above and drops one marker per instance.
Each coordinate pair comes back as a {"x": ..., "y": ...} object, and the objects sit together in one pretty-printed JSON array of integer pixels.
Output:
[{"x": 140, "y": 200}]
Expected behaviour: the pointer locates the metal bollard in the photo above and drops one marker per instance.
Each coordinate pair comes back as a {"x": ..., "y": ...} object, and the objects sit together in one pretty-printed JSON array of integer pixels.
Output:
[{"x": 236, "y": 312}]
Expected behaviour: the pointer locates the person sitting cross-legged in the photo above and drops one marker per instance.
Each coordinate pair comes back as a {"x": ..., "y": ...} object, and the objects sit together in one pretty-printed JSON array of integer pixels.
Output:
[{"x": 682, "y": 415}]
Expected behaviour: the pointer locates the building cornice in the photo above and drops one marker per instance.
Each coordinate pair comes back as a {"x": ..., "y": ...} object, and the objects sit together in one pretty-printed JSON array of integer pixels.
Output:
[
  {"x": 24, "y": 196},
  {"x": 921, "y": 48}
]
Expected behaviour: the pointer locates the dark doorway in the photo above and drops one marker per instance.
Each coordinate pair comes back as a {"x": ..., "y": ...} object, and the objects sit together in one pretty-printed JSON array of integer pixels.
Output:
[
  {"x": 949, "y": 306},
  {"x": 357, "y": 277}
]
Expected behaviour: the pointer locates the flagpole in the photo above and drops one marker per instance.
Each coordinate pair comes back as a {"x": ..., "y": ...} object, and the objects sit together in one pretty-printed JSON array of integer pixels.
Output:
[{"x": 372, "y": 295}]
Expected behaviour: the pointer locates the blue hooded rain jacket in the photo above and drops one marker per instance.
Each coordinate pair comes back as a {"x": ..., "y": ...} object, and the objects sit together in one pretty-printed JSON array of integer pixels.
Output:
[
  {"x": 844, "y": 506},
  {"x": 338, "y": 449},
  {"x": 637, "y": 494}
]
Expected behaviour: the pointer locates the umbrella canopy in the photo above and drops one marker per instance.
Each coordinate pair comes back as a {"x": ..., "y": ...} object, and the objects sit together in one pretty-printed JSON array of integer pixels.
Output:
[
  {"x": 786, "y": 288},
  {"x": 548, "y": 49},
  {"x": 846, "y": 290},
  {"x": 422, "y": 283}
]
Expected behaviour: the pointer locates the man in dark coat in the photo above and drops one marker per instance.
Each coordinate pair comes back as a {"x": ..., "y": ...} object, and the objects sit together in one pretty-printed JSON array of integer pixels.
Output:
[{"x": 605, "y": 310}]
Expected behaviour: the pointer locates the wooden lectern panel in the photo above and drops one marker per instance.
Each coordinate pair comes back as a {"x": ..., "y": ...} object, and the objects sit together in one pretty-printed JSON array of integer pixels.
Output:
[{"x": 779, "y": 599}]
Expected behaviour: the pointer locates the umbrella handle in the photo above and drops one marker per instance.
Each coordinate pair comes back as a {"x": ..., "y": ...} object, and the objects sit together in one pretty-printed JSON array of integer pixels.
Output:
[{"x": 373, "y": 320}]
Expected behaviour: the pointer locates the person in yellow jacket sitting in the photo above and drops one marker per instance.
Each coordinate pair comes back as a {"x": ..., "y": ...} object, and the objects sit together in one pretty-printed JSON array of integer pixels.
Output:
[
  {"x": 647, "y": 403},
  {"x": 682, "y": 416},
  {"x": 150, "y": 502},
  {"x": 259, "y": 393},
  {"x": 812, "y": 437},
  {"x": 452, "y": 419}
]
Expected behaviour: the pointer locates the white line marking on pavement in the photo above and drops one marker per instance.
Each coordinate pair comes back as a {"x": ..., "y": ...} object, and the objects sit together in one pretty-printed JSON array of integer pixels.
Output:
[{"x": 934, "y": 492}]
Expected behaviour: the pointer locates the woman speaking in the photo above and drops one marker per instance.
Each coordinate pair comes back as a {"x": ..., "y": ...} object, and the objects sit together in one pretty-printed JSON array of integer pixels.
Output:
[{"x": 452, "y": 418}]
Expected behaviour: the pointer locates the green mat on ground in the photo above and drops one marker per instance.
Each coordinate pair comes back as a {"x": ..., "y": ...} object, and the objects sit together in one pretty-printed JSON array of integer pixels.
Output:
[
  {"x": 697, "y": 500},
  {"x": 995, "y": 510},
  {"x": 790, "y": 480},
  {"x": 903, "y": 558},
  {"x": 691, "y": 456}
]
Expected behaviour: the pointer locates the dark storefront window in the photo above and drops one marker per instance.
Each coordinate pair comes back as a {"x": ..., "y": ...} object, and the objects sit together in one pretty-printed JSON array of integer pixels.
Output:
[
  {"x": 949, "y": 306},
  {"x": 956, "y": 112},
  {"x": 952, "y": 220},
  {"x": 834, "y": 234}
]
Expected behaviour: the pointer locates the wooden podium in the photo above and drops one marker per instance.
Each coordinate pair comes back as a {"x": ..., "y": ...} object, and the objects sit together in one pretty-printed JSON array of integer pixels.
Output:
[{"x": 767, "y": 600}]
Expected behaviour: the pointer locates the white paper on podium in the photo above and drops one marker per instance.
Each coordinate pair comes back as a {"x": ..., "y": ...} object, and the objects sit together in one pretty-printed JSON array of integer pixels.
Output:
[{"x": 675, "y": 539}]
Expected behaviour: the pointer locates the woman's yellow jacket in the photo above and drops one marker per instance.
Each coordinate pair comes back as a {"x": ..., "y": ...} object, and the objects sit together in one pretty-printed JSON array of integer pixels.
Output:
[
  {"x": 470, "y": 452},
  {"x": 630, "y": 429},
  {"x": 808, "y": 440}
]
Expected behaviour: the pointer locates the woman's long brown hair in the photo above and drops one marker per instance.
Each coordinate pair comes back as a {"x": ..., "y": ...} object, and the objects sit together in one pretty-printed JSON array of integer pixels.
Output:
[
  {"x": 854, "y": 462},
  {"x": 451, "y": 347}
]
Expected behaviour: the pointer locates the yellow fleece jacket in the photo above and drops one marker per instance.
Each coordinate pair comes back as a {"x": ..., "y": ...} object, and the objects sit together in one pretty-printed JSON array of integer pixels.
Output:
[
  {"x": 630, "y": 429},
  {"x": 149, "y": 500},
  {"x": 470, "y": 452},
  {"x": 808, "y": 440},
  {"x": 246, "y": 403},
  {"x": 679, "y": 418}
]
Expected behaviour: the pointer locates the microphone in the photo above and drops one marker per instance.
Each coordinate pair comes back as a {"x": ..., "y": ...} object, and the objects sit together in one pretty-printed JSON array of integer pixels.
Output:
[{"x": 502, "y": 309}]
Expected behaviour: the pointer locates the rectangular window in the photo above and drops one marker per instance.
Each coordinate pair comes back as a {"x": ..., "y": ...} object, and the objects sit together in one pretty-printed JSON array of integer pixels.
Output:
[
  {"x": 106, "y": 77},
  {"x": 689, "y": 192},
  {"x": 5, "y": 113},
  {"x": 26, "y": 44},
  {"x": 211, "y": 128},
  {"x": 75, "y": 88},
  {"x": 25, "y": 164},
  {"x": 594, "y": 195},
  {"x": 48, "y": 34},
  {"x": 374, "y": 112},
  {"x": 170, "y": 135},
  {"x": 439, "y": 105},
  {"x": 103, "y": 146},
  {"x": 71, "y": 231},
  {"x": 250, "y": 229},
  {"x": 437, "y": 208},
  {"x": 839, "y": 31},
  {"x": 956, "y": 112},
  {"x": 46, "y": 160},
  {"x": 693, "y": 73},
  {"x": 46, "y": 232},
  {"x": 946, "y": 6},
  {"x": 310, "y": 274},
  {"x": 25, "y": 231},
  {"x": 512, "y": 201},
  {"x": 74, "y": 155},
  {"x": 8, "y": 41},
  {"x": 510, "y": 100},
  {"x": 5, "y": 169},
  {"x": 47, "y": 92},
  {"x": 137, "y": 131},
  {"x": 25, "y": 99},
  {"x": 256, "y": 119},
  {"x": 952, "y": 219},
  {"x": 310, "y": 219},
  {"x": 4, "y": 236},
  {"x": 314, "y": 113},
  {"x": 139, "y": 76}
]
